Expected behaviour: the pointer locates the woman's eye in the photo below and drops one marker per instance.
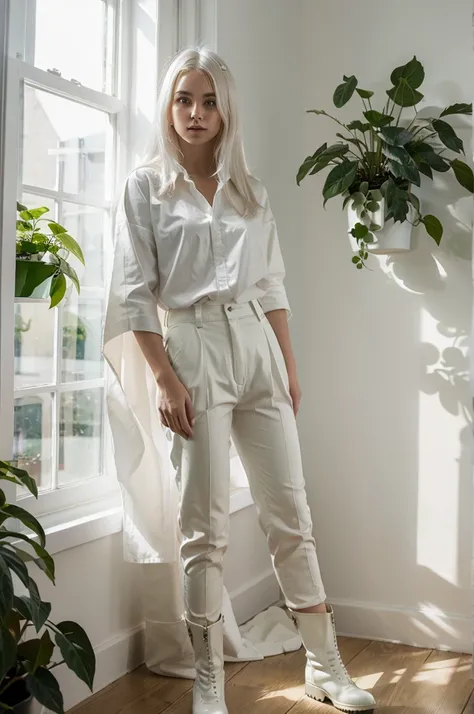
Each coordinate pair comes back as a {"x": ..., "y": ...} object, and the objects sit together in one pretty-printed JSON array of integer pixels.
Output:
[{"x": 212, "y": 102}]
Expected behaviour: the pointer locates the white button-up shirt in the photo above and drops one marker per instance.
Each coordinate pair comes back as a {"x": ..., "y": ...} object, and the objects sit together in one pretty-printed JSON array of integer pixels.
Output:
[{"x": 176, "y": 250}]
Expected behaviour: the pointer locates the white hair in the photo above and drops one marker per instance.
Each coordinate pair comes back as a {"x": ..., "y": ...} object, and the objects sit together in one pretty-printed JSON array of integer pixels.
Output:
[{"x": 163, "y": 152}]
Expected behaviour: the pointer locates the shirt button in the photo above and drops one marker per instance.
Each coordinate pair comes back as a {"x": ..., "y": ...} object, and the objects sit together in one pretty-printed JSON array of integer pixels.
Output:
[{"x": 230, "y": 307}]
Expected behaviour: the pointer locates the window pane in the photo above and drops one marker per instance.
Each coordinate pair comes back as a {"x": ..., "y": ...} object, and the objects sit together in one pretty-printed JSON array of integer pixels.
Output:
[
  {"x": 63, "y": 144},
  {"x": 32, "y": 446},
  {"x": 82, "y": 330},
  {"x": 70, "y": 36},
  {"x": 34, "y": 344},
  {"x": 87, "y": 225},
  {"x": 80, "y": 433}
]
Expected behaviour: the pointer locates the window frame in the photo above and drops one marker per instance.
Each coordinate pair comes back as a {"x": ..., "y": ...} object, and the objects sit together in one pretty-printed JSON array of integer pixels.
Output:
[{"x": 100, "y": 493}]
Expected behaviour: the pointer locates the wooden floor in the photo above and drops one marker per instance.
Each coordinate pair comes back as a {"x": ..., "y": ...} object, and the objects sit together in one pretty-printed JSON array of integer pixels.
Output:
[{"x": 402, "y": 679}]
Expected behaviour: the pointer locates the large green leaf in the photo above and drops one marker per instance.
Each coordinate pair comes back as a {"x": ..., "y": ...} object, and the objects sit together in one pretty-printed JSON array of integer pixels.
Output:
[
  {"x": 344, "y": 91},
  {"x": 29, "y": 275},
  {"x": 39, "y": 550},
  {"x": 71, "y": 245},
  {"x": 397, "y": 201},
  {"x": 38, "y": 212},
  {"x": 57, "y": 290},
  {"x": 425, "y": 154},
  {"x": 404, "y": 95},
  {"x": 44, "y": 686},
  {"x": 412, "y": 73},
  {"x": 56, "y": 228},
  {"x": 7, "y": 651},
  {"x": 457, "y": 109},
  {"x": 398, "y": 153},
  {"x": 77, "y": 651},
  {"x": 308, "y": 163},
  {"x": 405, "y": 171},
  {"x": 69, "y": 271},
  {"x": 16, "y": 564},
  {"x": 377, "y": 119},
  {"x": 12, "y": 511},
  {"x": 331, "y": 153},
  {"x": 433, "y": 227},
  {"x": 37, "y": 651},
  {"x": 464, "y": 174},
  {"x": 340, "y": 179},
  {"x": 425, "y": 169},
  {"x": 22, "y": 476},
  {"x": 6, "y": 589},
  {"x": 395, "y": 135},
  {"x": 447, "y": 135}
]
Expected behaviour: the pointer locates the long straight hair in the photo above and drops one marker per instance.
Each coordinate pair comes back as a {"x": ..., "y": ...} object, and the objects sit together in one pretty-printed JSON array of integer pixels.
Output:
[{"x": 163, "y": 152}]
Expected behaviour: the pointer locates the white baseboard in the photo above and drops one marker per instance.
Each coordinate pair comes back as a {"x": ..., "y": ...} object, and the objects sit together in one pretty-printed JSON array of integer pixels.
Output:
[{"x": 419, "y": 627}]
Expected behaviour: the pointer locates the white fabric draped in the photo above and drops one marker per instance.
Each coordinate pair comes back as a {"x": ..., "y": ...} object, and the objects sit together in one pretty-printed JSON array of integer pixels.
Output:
[{"x": 150, "y": 521}]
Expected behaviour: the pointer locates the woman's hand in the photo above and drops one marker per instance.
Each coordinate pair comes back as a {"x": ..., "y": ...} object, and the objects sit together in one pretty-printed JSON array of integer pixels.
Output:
[
  {"x": 295, "y": 389},
  {"x": 175, "y": 405}
]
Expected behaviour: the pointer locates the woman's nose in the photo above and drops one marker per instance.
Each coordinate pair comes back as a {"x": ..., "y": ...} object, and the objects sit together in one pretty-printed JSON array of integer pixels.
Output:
[{"x": 196, "y": 112}]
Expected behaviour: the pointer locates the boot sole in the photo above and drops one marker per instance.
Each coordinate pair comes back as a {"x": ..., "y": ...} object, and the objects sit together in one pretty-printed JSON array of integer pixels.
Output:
[{"x": 320, "y": 695}]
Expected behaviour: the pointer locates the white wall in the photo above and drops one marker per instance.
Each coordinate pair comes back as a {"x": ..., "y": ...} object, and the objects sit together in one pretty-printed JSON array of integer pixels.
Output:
[{"x": 384, "y": 423}]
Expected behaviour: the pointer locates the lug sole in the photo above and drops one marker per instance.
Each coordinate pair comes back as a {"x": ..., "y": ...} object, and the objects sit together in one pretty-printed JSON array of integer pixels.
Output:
[{"x": 320, "y": 695}]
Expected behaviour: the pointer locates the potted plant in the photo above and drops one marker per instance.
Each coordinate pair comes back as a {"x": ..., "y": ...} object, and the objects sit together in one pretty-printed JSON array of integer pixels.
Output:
[
  {"x": 41, "y": 256},
  {"x": 378, "y": 162},
  {"x": 26, "y": 662}
]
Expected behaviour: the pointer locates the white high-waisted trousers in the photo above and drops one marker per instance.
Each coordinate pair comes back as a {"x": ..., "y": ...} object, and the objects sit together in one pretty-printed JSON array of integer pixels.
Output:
[{"x": 229, "y": 359}]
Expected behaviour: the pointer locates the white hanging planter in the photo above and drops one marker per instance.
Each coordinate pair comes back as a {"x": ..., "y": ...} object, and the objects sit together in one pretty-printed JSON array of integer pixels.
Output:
[{"x": 391, "y": 238}]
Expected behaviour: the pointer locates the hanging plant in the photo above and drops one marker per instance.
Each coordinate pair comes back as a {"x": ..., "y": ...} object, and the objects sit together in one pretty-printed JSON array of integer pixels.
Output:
[{"x": 380, "y": 157}]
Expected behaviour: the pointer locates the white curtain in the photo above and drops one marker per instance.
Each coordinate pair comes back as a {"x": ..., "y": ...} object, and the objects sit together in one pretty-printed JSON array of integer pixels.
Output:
[{"x": 145, "y": 470}]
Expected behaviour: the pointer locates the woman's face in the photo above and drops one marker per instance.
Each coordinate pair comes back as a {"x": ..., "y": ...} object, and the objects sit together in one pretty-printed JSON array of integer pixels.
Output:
[{"x": 194, "y": 104}]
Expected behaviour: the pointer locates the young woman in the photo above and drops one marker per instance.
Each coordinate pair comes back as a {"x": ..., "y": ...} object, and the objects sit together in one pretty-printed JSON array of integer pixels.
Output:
[{"x": 201, "y": 243}]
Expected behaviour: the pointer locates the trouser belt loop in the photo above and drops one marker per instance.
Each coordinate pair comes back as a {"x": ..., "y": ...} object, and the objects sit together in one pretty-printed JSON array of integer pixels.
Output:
[{"x": 198, "y": 313}]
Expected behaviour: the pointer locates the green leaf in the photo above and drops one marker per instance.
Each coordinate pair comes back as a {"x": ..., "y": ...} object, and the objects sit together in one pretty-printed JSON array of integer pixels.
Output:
[
  {"x": 340, "y": 179},
  {"x": 57, "y": 290},
  {"x": 364, "y": 93},
  {"x": 405, "y": 171},
  {"x": 374, "y": 227},
  {"x": 344, "y": 91},
  {"x": 412, "y": 73},
  {"x": 69, "y": 271},
  {"x": 415, "y": 201},
  {"x": 397, "y": 201},
  {"x": 364, "y": 187},
  {"x": 16, "y": 565},
  {"x": 404, "y": 95},
  {"x": 395, "y": 135},
  {"x": 39, "y": 550},
  {"x": 22, "y": 476},
  {"x": 398, "y": 153},
  {"x": 37, "y": 651},
  {"x": 464, "y": 174},
  {"x": 44, "y": 686},
  {"x": 357, "y": 125},
  {"x": 373, "y": 206},
  {"x": 6, "y": 589},
  {"x": 375, "y": 118},
  {"x": 447, "y": 135},
  {"x": 425, "y": 169},
  {"x": 7, "y": 651},
  {"x": 26, "y": 215},
  {"x": 12, "y": 511},
  {"x": 424, "y": 153},
  {"x": 356, "y": 259},
  {"x": 24, "y": 226},
  {"x": 346, "y": 201},
  {"x": 375, "y": 194},
  {"x": 457, "y": 109},
  {"x": 359, "y": 231},
  {"x": 433, "y": 227},
  {"x": 308, "y": 164},
  {"x": 20, "y": 207},
  {"x": 359, "y": 266},
  {"x": 56, "y": 229},
  {"x": 77, "y": 651},
  {"x": 38, "y": 212}
]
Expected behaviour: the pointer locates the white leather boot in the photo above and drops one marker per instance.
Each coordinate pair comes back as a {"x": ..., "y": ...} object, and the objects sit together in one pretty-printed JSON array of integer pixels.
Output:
[
  {"x": 208, "y": 691},
  {"x": 326, "y": 675}
]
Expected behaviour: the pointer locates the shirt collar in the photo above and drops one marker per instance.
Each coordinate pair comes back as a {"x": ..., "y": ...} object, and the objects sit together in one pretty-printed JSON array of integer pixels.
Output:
[{"x": 222, "y": 178}]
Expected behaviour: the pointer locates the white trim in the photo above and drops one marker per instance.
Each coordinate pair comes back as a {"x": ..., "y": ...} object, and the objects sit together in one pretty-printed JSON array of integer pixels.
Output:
[
  {"x": 65, "y": 88},
  {"x": 167, "y": 41},
  {"x": 78, "y": 199},
  {"x": 419, "y": 627}
]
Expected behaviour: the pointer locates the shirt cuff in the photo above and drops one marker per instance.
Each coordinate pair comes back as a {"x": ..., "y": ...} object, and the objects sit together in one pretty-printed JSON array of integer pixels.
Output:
[{"x": 276, "y": 301}]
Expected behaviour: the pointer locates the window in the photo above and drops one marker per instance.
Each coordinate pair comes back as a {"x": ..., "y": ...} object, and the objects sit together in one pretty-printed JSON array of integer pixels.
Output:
[{"x": 65, "y": 122}]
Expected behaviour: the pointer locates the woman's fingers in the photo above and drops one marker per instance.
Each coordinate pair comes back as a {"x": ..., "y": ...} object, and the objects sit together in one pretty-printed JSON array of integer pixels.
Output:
[
  {"x": 184, "y": 423},
  {"x": 189, "y": 410}
]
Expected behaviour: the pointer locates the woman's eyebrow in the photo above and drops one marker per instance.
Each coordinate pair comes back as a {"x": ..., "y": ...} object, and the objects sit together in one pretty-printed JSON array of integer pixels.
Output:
[{"x": 190, "y": 94}]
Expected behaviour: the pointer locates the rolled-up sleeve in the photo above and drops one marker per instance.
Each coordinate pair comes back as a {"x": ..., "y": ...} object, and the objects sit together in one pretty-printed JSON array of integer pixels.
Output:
[
  {"x": 275, "y": 297},
  {"x": 134, "y": 280}
]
